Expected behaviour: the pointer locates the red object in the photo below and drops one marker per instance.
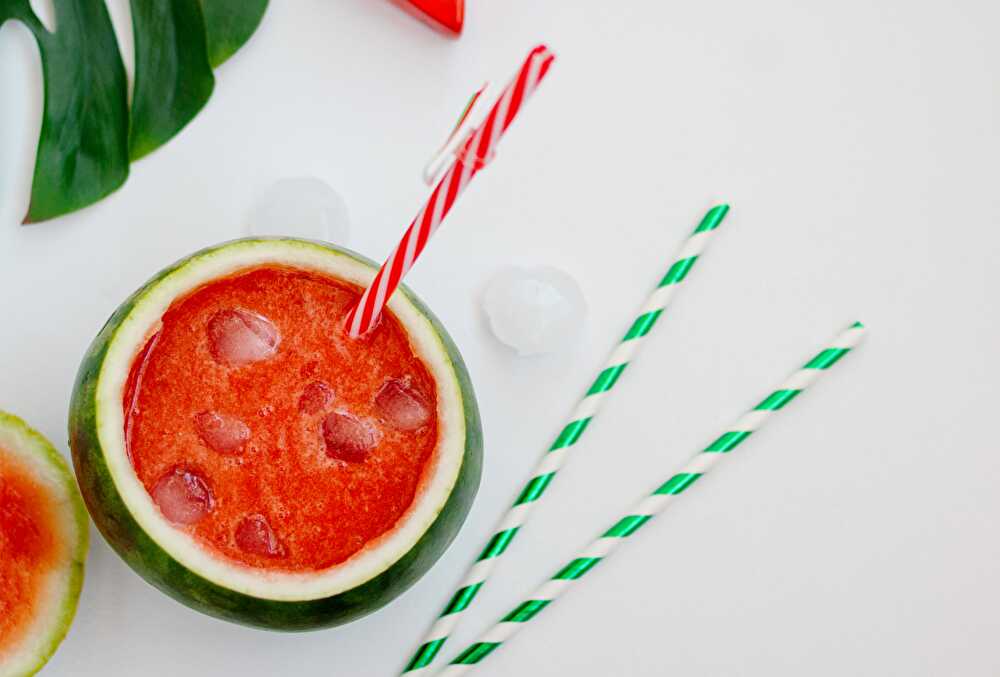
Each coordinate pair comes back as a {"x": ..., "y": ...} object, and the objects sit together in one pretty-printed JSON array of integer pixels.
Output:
[
  {"x": 31, "y": 540},
  {"x": 448, "y": 13},
  {"x": 284, "y": 498},
  {"x": 473, "y": 156}
]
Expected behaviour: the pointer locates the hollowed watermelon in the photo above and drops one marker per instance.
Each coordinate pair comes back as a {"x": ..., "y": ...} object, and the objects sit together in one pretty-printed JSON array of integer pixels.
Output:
[
  {"x": 247, "y": 457},
  {"x": 43, "y": 545}
]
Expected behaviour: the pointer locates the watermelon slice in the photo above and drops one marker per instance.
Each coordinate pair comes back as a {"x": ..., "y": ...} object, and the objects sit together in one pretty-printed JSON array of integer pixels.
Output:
[
  {"x": 244, "y": 455},
  {"x": 43, "y": 545},
  {"x": 448, "y": 13}
]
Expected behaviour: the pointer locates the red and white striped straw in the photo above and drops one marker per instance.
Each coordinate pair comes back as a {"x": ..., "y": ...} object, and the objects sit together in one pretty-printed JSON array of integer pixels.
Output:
[{"x": 473, "y": 156}]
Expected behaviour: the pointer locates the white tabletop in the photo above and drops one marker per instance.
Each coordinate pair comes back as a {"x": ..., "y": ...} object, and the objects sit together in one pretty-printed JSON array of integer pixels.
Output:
[{"x": 858, "y": 145}]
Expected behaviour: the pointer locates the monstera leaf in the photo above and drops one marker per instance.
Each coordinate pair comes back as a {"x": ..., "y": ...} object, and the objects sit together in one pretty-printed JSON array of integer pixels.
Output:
[{"x": 89, "y": 134}]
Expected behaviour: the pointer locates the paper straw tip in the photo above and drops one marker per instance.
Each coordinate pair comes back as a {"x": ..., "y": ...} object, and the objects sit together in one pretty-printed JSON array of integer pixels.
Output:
[
  {"x": 544, "y": 53},
  {"x": 852, "y": 336},
  {"x": 713, "y": 217}
]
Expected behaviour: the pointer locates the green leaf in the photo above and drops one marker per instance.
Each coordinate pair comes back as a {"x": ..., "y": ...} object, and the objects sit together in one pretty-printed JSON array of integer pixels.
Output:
[
  {"x": 88, "y": 135},
  {"x": 83, "y": 145},
  {"x": 230, "y": 24},
  {"x": 172, "y": 77}
]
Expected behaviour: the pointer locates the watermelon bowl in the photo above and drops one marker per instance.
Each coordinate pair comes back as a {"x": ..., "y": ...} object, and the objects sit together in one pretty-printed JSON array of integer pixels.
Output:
[{"x": 248, "y": 458}]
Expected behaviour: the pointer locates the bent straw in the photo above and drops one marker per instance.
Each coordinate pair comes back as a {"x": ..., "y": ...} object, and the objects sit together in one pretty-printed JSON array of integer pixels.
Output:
[
  {"x": 550, "y": 463},
  {"x": 466, "y": 121},
  {"x": 472, "y": 157},
  {"x": 653, "y": 504}
]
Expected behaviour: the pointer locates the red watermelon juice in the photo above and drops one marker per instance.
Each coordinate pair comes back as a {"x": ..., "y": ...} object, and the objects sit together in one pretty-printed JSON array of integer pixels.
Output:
[
  {"x": 259, "y": 427},
  {"x": 31, "y": 542}
]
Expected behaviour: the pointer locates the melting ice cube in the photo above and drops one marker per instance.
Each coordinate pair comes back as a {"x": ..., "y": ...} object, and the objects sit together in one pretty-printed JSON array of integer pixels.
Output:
[
  {"x": 534, "y": 311},
  {"x": 302, "y": 207},
  {"x": 315, "y": 397},
  {"x": 401, "y": 406},
  {"x": 183, "y": 496},
  {"x": 255, "y": 536},
  {"x": 237, "y": 337},
  {"x": 221, "y": 432},
  {"x": 347, "y": 438}
]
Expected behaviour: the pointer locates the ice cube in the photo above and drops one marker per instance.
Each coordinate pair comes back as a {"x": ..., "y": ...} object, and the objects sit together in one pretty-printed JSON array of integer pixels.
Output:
[
  {"x": 221, "y": 432},
  {"x": 347, "y": 438},
  {"x": 534, "y": 310},
  {"x": 401, "y": 406},
  {"x": 304, "y": 207},
  {"x": 255, "y": 536},
  {"x": 238, "y": 337},
  {"x": 315, "y": 397},
  {"x": 183, "y": 496}
]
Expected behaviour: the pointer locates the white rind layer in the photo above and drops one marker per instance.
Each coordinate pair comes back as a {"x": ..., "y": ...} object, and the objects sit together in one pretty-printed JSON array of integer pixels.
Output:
[
  {"x": 143, "y": 320},
  {"x": 56, "y": 601}
]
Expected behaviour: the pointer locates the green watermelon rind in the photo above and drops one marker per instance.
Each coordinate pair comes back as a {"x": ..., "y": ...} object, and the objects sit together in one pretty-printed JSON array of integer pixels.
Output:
[
  {"x": 147, "y": 558},
  {"x": 58, "y": 626}
]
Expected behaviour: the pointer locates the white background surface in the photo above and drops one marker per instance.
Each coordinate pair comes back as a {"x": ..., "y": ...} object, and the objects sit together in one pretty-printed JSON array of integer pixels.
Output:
[{"x": 858, "y": 145}]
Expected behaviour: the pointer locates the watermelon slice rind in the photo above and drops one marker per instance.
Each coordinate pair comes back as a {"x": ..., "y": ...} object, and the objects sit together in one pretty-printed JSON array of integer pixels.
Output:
[{"x": 61, "y": 592}]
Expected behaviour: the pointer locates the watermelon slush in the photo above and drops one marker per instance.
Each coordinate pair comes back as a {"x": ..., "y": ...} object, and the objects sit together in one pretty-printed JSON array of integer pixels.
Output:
[
  {"x": 244, "y": 454},
  {"x": 259, "y": 426}
]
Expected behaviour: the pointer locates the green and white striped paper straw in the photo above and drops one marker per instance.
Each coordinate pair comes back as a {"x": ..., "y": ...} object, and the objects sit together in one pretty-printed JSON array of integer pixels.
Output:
[
  {"x": 655, "y": 503},
  {"x": 553, "y": 459}
]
